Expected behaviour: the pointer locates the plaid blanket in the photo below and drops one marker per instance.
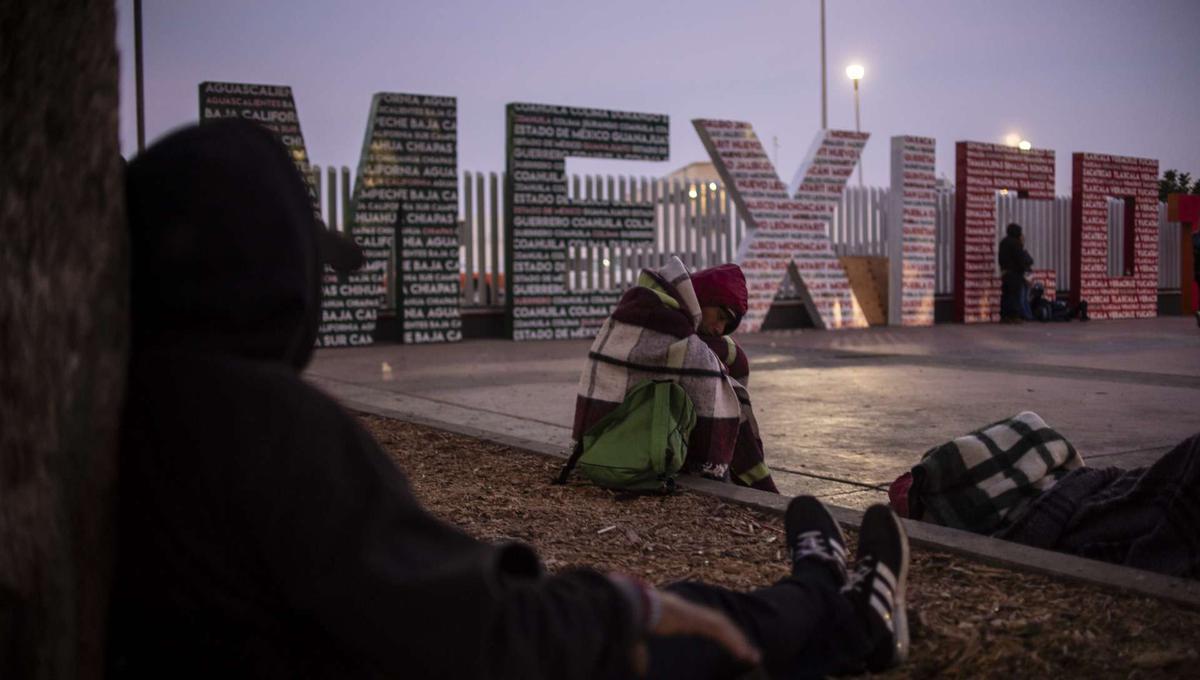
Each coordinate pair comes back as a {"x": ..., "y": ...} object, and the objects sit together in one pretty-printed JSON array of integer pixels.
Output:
[
  {"x": 980, "y": 481},
  {"x": 652, "y": 335},
  {"x": 1147, "y": 518}
]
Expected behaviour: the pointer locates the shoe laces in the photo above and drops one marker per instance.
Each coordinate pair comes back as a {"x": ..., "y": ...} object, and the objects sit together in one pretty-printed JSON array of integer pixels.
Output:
[
  {"x": 815, "y": 544},
  {"x": 855, "y": 577}
]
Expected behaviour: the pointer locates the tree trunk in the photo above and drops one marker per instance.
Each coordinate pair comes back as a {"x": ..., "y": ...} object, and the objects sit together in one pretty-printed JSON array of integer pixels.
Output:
[{"x": 63, "y": 332}]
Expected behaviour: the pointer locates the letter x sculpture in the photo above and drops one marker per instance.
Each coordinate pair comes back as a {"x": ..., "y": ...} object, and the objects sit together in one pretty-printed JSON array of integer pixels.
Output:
[{"x": 788, "y": 225}]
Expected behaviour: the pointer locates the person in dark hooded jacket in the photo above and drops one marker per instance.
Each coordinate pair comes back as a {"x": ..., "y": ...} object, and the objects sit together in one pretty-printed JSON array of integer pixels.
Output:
[
  {"x": 1014, "y": 263},
  {"x": 263, "y": 533}
]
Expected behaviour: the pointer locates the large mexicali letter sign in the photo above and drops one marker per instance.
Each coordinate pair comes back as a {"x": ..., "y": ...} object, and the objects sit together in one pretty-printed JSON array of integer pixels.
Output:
[
  {"x": 912, "y": 233},
  {"x": 783, "y": 229},
  {"x": 1094, "y": 179},
  {"x": 401, "y": 154},
  {"x": 408, "y": 176},
  {"x": 982, "y": 170},
  {"x": 542, "y": 220}
]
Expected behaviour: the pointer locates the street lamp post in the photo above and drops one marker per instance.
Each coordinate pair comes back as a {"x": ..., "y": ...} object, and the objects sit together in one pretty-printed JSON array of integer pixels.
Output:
[
  {"x": 137, "y": 62},
  {"x": 855, "y": 73},
  {"x": 824, "y": 106}
]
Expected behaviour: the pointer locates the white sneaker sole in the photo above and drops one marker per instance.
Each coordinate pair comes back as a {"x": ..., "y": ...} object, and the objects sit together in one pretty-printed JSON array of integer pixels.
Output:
[
  {"x": 897, "y": 614},
  {"x": 900, "y": 607}
]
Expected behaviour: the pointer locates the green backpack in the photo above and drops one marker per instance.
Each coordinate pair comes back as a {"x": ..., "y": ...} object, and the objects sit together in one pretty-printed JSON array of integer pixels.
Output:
[{"x": 641, "y": 445}]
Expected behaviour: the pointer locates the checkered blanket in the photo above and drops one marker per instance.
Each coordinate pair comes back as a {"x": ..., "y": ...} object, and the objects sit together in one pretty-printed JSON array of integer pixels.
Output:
[
  {"x": 979, "y": 482},
  {"x": 652, "y": 335}
]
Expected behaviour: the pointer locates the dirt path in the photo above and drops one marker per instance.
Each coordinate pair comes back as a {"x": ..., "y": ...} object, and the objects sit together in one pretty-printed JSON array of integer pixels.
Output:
[{"x": 969, "y": 620}]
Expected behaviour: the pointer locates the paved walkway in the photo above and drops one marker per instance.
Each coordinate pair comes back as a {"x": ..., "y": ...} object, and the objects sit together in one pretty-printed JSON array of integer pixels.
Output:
[{"x": 841, "y": 413}]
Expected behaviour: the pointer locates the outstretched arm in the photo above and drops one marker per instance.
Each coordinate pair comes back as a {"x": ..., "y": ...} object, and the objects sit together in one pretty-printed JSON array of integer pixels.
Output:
[{"x": 358, "y": 557}]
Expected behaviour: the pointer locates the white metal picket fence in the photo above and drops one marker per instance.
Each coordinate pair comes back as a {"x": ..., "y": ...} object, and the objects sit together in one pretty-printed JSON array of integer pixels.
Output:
[
  {"x": 699, "y": 222},
  {"x": 696, "y": 221}
]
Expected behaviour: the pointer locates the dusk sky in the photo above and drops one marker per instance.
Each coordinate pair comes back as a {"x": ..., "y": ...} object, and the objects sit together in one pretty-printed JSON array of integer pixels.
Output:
[{"x": 1082, "y": 75}]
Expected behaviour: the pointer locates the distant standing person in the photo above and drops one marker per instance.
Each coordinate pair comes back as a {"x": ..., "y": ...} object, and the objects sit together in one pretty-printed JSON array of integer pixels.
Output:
[
  {"x": 1014, "y": 262},
  {"x": 1196, "y": 266}
]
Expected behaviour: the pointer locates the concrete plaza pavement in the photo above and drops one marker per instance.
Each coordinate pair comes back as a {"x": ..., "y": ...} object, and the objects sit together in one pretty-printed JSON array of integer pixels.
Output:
[{"x": 841, "y": 413}]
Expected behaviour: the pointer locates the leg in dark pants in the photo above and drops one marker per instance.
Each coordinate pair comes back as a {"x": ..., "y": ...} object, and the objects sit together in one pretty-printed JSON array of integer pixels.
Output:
[
  {"x": 803, "y": 625},
  {"x": 1011, "y": 287}
]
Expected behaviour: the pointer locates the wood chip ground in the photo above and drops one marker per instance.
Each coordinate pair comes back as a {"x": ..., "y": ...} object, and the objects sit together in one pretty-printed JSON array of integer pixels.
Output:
[{"x": 969, "y": 620}]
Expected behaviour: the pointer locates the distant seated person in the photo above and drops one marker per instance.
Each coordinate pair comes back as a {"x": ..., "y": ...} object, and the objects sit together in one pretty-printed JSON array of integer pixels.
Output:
[{"x": 673, "y": 326}]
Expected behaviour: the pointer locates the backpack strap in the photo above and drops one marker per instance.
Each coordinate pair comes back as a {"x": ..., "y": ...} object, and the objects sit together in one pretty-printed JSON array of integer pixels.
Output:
[
  {"x": 659, "y": 430},
  {"x": 565, "y": 472}
]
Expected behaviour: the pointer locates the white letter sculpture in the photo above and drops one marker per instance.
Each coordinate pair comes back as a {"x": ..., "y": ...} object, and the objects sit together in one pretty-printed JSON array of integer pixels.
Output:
[{"x": 912, "y": 232}]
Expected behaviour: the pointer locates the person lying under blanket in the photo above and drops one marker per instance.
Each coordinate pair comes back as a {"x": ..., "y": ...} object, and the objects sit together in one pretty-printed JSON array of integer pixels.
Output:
[{"x": 1020, "y": 480}]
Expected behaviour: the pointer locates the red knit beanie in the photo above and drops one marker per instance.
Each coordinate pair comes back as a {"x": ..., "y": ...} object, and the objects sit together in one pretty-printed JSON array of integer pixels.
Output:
[{"x": 722, "y": 286}]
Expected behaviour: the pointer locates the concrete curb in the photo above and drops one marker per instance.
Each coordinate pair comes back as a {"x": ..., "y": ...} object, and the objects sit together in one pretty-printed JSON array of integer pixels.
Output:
[{"x": 501, "y": 430}]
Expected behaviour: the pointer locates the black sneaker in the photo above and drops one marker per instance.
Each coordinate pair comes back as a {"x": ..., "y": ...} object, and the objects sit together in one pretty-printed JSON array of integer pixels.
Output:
[
  {"x": 813, "y": 534},
  {"x": 877, "y": 586}
]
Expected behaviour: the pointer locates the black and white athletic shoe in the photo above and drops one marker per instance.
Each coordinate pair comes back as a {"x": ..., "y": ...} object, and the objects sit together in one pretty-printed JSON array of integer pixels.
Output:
[
  {"x": 877, "y": 586},
  {"x": 813, "y": 534}
]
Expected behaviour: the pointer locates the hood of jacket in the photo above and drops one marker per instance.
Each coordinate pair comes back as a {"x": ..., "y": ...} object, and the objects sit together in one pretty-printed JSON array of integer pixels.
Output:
[
  {"x": 223, "y": 245},
  {"x": 663, "y": 300}
]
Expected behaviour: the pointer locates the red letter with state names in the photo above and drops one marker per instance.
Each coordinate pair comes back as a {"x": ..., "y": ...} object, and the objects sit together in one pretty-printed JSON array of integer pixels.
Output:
[{"x": 1095, "y": 178}]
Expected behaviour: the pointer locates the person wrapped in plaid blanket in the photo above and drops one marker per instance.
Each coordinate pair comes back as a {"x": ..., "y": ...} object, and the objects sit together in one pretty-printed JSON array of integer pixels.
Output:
[
  {"x": 675, "y": 326},
  {"x": 1020, "y": 480}
]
